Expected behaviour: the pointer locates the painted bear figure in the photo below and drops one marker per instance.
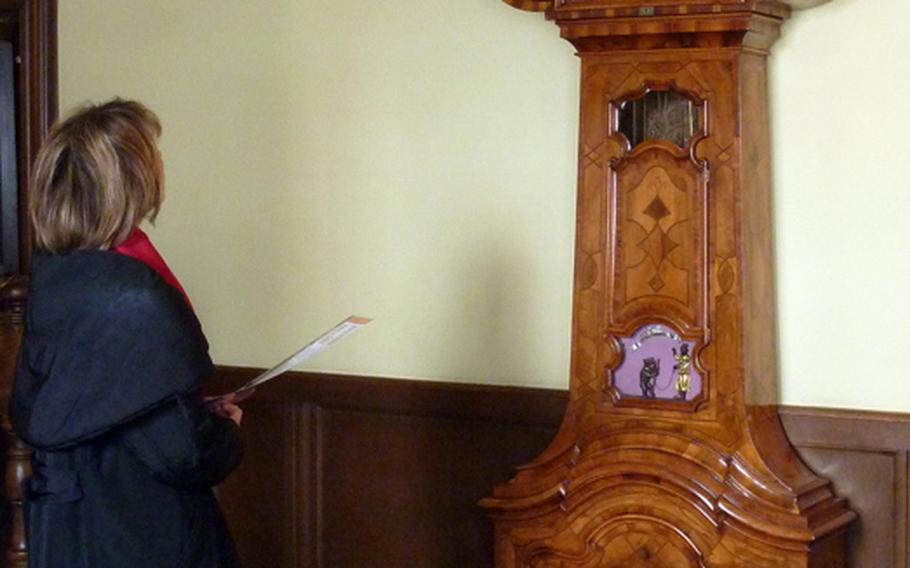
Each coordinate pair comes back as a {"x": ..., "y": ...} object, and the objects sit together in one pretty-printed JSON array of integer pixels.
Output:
[{"x": 648, "y": 376}]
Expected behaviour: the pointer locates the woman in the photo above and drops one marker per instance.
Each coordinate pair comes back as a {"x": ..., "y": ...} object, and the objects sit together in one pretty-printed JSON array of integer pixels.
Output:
[{"x": 108, "y": 377}]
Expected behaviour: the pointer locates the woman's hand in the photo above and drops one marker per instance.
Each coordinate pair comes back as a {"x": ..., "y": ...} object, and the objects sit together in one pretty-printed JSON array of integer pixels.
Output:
[{"x": 226, "y": 406}]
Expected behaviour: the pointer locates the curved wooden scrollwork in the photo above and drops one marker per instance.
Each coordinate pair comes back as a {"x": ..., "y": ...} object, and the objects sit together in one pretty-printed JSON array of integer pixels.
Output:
[
  {"x": 803, "y": 4},
  {"x": 531, "y": 5}
]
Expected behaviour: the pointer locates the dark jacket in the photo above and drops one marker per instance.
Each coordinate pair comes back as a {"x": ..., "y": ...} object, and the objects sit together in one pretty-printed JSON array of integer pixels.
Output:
[{"x": 107, "y": 392}]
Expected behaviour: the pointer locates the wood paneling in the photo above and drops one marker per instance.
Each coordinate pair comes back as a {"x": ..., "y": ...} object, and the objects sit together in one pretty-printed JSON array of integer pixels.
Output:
[
  {"x": 368, "y": 472},
  {"x": 866, "y": 454},
  {"x": 348, "y": 471}
]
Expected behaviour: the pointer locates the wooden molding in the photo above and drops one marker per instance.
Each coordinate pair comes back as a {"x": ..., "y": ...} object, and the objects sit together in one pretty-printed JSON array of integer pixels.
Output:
[
  {"x": 537, "y": 407},
  {"x": 531, "y": 5},
  {"x": 867, "y": 455},
  {"x": 341, "y": 451},
  {"x": 34, "y": 23},
  {"x": 36, "y": 95},
  {"x": 803, "y": 4}
]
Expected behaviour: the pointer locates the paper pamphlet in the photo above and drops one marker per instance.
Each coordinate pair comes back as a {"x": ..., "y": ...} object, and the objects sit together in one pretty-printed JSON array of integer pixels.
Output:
[{"x": 343, "y": 329}]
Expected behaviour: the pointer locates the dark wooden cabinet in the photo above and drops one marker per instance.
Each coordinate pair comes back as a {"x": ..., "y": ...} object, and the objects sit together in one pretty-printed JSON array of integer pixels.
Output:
[
  {"x": 28, "y": 107},
  {"x": 671, "y": 453},
  {"x": 28, "y": 97}
]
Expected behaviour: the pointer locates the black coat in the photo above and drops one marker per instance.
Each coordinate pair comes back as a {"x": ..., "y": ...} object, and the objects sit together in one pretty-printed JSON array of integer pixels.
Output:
[{"x": 107, "y": 391}]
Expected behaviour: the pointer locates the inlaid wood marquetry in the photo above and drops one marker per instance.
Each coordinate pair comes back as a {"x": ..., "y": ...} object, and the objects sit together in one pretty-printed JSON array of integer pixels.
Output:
[{"x": 671, "y": 453}]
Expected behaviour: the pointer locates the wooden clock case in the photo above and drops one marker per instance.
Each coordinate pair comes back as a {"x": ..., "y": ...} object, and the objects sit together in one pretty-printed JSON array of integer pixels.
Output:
[{"x": 675, "y": 235}]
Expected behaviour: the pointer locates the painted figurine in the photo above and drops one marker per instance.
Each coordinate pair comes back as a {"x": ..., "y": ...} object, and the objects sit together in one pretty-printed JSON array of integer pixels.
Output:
[
  {"x": 683, "y": 368},
  {"x": 648, "y": 376}
]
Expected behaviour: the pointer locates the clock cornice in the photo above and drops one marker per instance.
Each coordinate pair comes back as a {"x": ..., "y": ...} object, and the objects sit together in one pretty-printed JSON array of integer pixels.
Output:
[{"x": 545, "y": 5}]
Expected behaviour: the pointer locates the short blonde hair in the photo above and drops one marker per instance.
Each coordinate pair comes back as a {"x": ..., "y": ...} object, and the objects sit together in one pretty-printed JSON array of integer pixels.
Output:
[{"x": 97, "y": 176}]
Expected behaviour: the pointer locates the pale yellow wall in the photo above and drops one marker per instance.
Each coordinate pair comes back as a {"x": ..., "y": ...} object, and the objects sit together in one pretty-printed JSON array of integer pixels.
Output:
[
  {"x": 841, "y": 82},
  {"x": 414, "y": 161}
]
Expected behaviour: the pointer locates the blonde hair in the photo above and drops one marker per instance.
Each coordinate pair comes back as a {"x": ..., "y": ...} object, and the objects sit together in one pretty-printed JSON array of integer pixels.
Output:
[{"x": 97, "y": 176}]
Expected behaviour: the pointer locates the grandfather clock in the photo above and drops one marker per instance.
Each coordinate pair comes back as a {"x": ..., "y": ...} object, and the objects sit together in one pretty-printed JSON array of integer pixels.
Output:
[{"x": 671, "y": 453}]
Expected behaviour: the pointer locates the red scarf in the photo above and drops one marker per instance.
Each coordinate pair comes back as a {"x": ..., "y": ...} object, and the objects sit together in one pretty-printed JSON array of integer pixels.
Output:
[{"x": 138, "y": 246}]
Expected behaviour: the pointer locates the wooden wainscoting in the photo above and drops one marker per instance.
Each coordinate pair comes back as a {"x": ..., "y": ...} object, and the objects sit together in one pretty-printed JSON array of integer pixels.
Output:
[
  {"x": 361, "y": 472},
  {"x": 866, "y": 455}
]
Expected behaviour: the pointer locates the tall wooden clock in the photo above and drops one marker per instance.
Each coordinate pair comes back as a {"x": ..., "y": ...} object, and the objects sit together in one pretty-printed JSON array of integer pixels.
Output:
[{"x": 671, "y": 453}]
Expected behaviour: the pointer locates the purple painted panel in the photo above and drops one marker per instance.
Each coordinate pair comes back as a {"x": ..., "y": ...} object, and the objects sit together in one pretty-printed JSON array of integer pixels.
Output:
[{"x": 657, "y": 364}]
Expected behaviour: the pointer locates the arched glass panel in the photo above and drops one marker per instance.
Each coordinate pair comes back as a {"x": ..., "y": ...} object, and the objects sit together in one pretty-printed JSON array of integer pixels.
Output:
[{"x": 659, "y": 115}]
